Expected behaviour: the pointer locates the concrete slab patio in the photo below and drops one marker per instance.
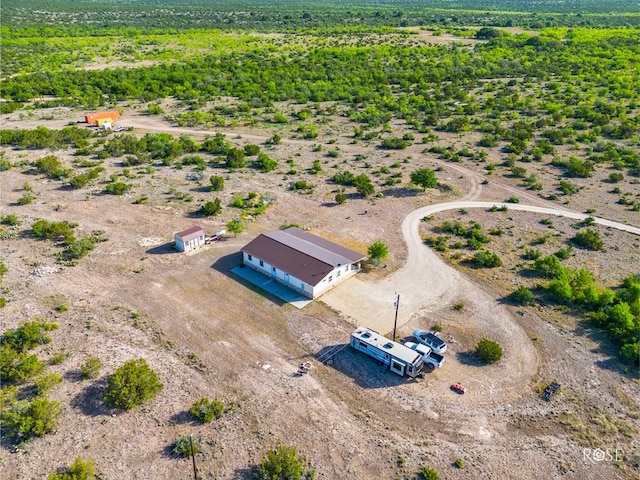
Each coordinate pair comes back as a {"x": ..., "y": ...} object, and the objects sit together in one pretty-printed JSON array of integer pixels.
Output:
[{"x": 272, "y": 286}]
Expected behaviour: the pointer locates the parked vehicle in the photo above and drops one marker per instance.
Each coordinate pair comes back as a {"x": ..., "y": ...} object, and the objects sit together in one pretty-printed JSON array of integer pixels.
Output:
[
  {"x": 400, "y": 359},
  {"x": 430, "y": 358},
  {"x": 429, "y": 339}
]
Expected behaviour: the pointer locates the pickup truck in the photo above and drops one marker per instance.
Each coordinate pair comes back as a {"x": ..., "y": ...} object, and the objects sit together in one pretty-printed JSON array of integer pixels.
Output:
[{"x": 429, "y": 357}]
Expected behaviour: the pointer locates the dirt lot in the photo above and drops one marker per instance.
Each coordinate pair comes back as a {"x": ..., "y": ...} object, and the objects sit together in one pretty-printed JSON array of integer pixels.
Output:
[{"x": 207, "y": 333}]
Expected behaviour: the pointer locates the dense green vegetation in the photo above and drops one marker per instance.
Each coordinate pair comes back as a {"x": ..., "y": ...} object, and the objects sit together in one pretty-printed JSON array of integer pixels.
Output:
[
  {"x": 27, "y": 412},
  {"x": 132, "y": 384}
]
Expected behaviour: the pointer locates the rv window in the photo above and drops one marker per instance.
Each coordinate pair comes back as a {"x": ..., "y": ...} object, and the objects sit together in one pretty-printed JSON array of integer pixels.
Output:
[
  {"x": 363, "y": 345},
  {"x": 388, "y": 345},
  {"x": 249, "y": 257},
  {"x": 261, "y": 263},
  {"x": 366, "y": 335}
]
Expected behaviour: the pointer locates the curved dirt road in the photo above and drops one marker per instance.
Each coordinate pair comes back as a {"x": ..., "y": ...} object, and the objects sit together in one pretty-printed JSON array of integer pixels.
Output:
[{"x": 427, "y": 284}]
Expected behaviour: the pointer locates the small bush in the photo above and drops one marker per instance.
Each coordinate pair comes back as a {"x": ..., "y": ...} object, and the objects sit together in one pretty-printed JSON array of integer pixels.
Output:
[
  {"x": 132, "y": 384},
  {"x": 340, "y": 198},
  {"x": 378, "y": 250},
  {"x": 430, "y": 473},
  {"x": 117, "y": 188},
  {"x": 522, "y": 296},
  {"x": 211, "y": 209},
  {"x": 206, "y": 410},
  {"x": 182, "y": 447},
  {"x": 488, "y": 351},
  {"x": 78, "y": 470},
  {"x": 485, "y": 259},
  {"x": 217, "y": 183},
  {"x": 10, "y": 220},
  {"x": 28, "y": 336},
  {"x": 458, "y": 463},
  {"x": 25, "y": 420},
  {"x": 26, "y": 199},
  {"x": 437, "y": 327},
  {"x": 46, "y": 382},
  {"x": 589, "y": 239},
  {"x": 90, "y": 368},
  {"x": 282, "y": 464}
]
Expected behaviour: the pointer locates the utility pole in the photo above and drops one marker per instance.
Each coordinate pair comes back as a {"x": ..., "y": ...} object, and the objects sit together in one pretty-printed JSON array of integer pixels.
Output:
[
  {"x": 395, "y": 322},
  {"x": 193, "y": 457}
]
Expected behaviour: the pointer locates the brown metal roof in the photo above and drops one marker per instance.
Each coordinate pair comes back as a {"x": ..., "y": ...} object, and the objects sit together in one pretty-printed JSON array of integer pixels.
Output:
[
  {"x": 301, "y": 254},
  {"x": 190, "y": 233}
]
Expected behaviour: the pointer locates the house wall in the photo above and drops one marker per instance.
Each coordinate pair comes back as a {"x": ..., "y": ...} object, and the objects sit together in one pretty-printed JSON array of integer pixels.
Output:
[
  {"x": 337, "y": 275},
  {"x": 280, "y": 276}
]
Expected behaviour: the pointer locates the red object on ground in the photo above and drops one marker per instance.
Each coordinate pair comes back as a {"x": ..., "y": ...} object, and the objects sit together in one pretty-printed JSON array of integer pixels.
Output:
[{"x": 456, "y": 387}]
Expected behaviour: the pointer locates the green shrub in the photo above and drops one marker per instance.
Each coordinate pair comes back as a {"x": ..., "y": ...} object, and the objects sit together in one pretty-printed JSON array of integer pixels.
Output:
[
  {"x": 206, "y": 410},
  {"x": 25, "y": 420},
  {"x": 54, "y": 230},
  {"x": 10, "y": 220},
  {"x": 217, "y": 183},
  {"x": 117, "y": 188},
  {"x": 183, "y": 446},
  {"x": 18, "y": 367},
  {"x": 90, "y": 368},
  {"x": 78, "y": 470},
  {"x": 488, "y": 351},
  {"x": 29, "y": 335},
  {"x": 210, "y": 209},
  {"x": 46, "y": 382},
  {"x": 458, "y": 463},
  {"x": 378, "y": 250},
  {"x": 430, "y": 473},
  {"x": 485, "y": 259},
  {"x": 340, "y": 198},
  {"x": 522, "y": 296},
  {"x": 26, "y": 199},
  {"x": 132, "y": 384},
  {"x": 282, "y": 463},
  {"x": 589, "y": 239}
]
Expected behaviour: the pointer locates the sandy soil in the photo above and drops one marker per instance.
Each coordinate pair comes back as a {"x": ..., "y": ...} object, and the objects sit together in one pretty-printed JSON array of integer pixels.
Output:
[{"x": 207, "y": 333}]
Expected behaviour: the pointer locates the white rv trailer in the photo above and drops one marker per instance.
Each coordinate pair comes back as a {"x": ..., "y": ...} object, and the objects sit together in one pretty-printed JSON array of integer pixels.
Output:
[{"x": 401, "y": 360}]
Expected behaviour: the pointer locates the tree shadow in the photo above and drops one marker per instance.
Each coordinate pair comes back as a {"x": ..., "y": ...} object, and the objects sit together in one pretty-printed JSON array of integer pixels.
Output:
[
  {"x": 184, "y": 418},
  {"x": 400, "y": 192},
  {"x": 90, "y": 402},
  {"x": 168, "y": 248},
  {"x": 469, "y": 358},
  {"x": 249, "y": 473}
]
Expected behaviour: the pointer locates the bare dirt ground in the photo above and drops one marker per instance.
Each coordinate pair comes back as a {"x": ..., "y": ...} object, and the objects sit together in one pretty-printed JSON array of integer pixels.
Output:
[{"x": 207, "y": 333}]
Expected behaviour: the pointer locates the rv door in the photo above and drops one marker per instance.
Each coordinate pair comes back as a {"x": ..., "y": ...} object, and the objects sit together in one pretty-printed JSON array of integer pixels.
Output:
[{"x": 397, "y": 367}]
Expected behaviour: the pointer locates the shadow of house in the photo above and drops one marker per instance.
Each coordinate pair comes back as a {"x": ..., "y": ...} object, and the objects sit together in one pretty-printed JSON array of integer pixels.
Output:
[
  {"x": 226, "y": 263},
  {"x": 364, "y": 370}
]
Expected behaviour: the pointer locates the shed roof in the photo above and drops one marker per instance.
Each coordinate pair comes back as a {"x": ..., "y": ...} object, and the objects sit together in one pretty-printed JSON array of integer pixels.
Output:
[
  {"x": 301, "y": 254},
  {"x": 190, "y": 233}
]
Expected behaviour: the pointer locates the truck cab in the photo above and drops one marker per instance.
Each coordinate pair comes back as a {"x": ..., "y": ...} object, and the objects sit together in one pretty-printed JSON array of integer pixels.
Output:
[{"x": 430, "y": 358}]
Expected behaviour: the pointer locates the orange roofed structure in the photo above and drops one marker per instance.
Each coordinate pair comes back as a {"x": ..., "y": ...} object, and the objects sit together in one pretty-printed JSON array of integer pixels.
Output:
[{"x": 94, "y": 117}]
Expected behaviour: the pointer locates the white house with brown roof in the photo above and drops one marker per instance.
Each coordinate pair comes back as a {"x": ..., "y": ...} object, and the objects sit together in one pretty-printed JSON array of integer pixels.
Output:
[
  {"x": 304, "y": 262},
  {"x": 190, "y": 239}
]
